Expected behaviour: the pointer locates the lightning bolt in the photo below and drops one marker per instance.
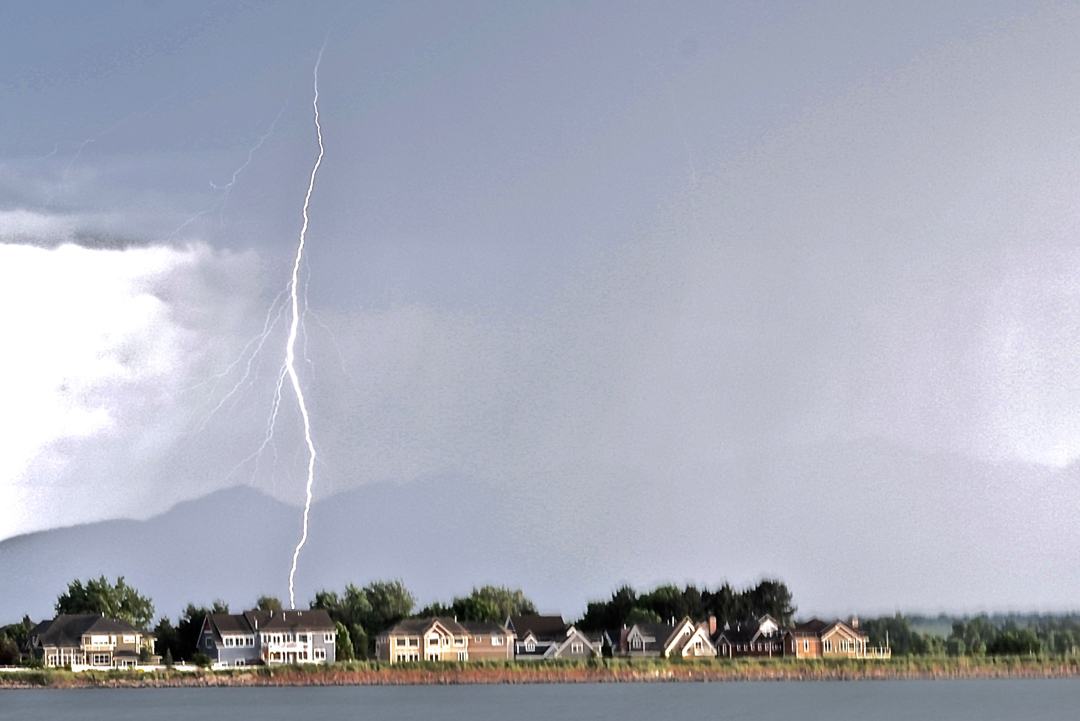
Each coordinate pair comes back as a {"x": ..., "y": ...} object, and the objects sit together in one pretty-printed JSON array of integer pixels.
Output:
[{"x": 290, "y": 346}]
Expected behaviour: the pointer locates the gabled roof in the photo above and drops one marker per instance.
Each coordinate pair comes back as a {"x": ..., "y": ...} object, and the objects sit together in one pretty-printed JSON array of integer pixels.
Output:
[
  {"x": 817, "y": 627},
  {"x": 544, "y": 628},
  {"x": 67, "y": 630},
  {"x": 482, "y": 628},
  {"x": 654, "y": 636},
  {"x": 683, "y": 641},
  {"x": 420, "y": 626},
  {"x": 229, "y": 623},
  {"x": 594, "y": 641},
  {"x": 736, "y": 635},
  {"x": 310, "y": 620},
  {"x": 813, "y": 627}
]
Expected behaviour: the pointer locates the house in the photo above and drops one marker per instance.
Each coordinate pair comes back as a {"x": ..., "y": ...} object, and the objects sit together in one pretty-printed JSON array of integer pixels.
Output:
[
  {"x": 690, "y": 640},
  {"x": 545, "y": 637},
  {"x": 644, "y": 639},
  {"x": 427, "y": 639},
  {"x": 489, "y": 641},
  {"x": 763, "y": 638},
  {"x": 684, "y": 639},
  {"x": 818, "y": 639},
  {"x": 84, "y": 641},
  {"x": 268, "y": 637}
]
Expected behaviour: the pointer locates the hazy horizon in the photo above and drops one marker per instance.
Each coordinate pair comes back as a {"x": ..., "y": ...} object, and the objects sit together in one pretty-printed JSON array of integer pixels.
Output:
[{"x": 793, "y": 282}]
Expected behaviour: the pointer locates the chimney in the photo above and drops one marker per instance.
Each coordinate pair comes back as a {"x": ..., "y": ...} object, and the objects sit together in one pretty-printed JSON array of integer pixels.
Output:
[
  {"x": 854, "y": 621},
  {"x": 712, "y": 625}
]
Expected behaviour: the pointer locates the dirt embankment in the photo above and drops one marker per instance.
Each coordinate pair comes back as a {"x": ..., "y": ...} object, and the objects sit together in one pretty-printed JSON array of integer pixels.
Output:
[{"x": 387, "y": 676}]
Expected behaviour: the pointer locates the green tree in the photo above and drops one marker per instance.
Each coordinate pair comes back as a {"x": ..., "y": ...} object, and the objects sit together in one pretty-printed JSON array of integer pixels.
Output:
[
  {"x": 189, "y": 627},
  {"x": 492, "y": 603},
  {"x": 366, "y": 611},
  {"x": 641, "y": 615},
  {"x": 602, "y": 615},
  {"x": 166, "y": 638},
  {"x": 168, "y": 658},
  {"x": 390, "y": 602},
  {"x": 268, "y": 603},
  {"x": 771, "y": 597},
  {"x": 665, "y": 602},
  {"x": 1015, "y": 643},
  {"x": 117, "y": 600},
  {"x": 9, "y": 651},
  {"x": 343, "y": 645}
]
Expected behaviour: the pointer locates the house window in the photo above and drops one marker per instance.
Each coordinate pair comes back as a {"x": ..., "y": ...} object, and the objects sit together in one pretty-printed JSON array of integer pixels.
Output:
[
  {"x": 228, "y": 641},
  {"x": 496, "y": 640},
  {"x": 433, "y": 641},
  {"x": 239, "y": 662},
  {"x": 462, "y": 656},
  {"x": 129, "y": 638},
  {"x": 101, "y": 659},
  {"x": 328, "y": 638},
  {"x": 806, "y": 645},
  {"x": 414, "y": 642},
  {"x": 636, "y": 643},
  {"x": 577, "y": 647},
  {"x": 400, "y": 642},
  {"x": 209, "y": 642},
  {"x": 320, "y": 654},
  {"x": 476, "y": 639},
  {"x": 433, "y": 657},
  {"x": 530, "y": 646},
  {"x": 302, "y": 638},
  {"x": 459, "y": 641}
]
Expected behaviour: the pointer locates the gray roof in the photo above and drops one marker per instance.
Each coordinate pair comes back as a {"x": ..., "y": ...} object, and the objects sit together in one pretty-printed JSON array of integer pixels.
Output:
[
  {"x": 230, "y": 623},
  {"x": 480, "y": 628},
  {"x": 250, "y": 622},
  {"x": 420, "y": 626},
  {"x": 67, "y": 630},
  {"x": 310, "y": 620},
  {"x": 817, "y": 627},
  {"x": 545, "y": 628},
  {"x": 659, "y": 632}
]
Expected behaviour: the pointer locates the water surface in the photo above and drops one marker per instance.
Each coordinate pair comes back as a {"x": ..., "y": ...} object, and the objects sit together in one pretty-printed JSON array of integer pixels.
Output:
[{"x": 985, "y": 700}]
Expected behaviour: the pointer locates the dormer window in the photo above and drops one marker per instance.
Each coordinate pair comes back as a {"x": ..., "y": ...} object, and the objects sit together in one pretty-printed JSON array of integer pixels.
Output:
[{"x": 530, "y": 646}]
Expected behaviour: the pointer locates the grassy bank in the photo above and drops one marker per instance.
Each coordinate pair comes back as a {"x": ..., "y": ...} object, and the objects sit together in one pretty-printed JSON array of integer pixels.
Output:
[{"x": 599, "y": 671}]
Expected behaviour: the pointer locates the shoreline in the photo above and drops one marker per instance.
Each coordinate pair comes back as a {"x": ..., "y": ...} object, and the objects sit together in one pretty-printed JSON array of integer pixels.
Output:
[{"x": 604, "y": 671}]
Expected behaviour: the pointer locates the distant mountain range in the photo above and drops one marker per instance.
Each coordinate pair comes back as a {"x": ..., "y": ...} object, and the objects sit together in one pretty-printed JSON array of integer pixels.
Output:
[{"x": 894, "y": 530}]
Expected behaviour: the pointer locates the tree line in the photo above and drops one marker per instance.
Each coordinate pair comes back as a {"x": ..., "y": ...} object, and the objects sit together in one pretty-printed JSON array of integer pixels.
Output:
[
  {"x": 729, "y": 606},
  {"x": 360, "y": 614}
]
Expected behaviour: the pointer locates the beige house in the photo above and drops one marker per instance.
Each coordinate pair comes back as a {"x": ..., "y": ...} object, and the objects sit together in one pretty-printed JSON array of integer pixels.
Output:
[
  {"x": 818, "y": 639},
  {"x": 88, "y": 641},
  {"x": 489, "y": 641},
  {"x": 444, "y": 639}
]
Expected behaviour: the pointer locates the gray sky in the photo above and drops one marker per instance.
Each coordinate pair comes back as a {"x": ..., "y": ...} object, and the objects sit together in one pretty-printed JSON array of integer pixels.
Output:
[{"x": 581, "y": 251}]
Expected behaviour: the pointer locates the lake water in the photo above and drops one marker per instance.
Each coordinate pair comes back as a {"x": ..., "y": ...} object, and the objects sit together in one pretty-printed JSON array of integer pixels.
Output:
[{"x": 985, "y": 700}]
